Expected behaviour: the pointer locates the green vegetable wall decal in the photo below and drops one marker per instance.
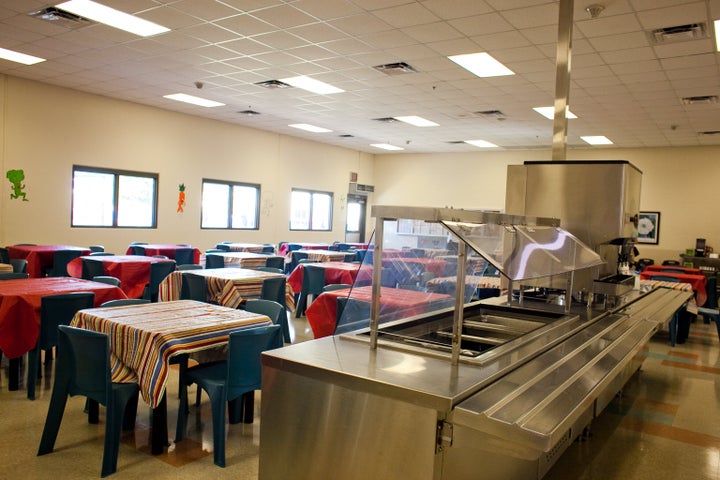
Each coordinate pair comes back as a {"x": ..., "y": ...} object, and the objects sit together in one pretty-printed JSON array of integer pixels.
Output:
[{"x": 16, "y": 177}]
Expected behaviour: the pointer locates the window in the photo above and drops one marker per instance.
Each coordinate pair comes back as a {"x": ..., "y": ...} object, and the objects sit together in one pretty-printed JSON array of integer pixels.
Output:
[
  {"x": 230, "y": 205},
  {"x": 113, "y": 198},
  {"x": 310, "y": 210}
]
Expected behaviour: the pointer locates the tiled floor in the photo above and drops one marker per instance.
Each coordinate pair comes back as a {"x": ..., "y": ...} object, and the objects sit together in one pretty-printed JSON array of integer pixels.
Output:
[{"x": 666, "y": 425}]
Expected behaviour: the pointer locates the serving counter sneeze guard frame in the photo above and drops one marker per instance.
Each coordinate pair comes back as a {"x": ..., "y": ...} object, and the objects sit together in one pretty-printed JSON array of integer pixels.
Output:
[{"x": 457, "y": 389}]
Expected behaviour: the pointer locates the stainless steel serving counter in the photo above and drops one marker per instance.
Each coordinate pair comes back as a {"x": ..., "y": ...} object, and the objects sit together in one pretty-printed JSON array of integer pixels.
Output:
[{"x": 335, "y": 408}]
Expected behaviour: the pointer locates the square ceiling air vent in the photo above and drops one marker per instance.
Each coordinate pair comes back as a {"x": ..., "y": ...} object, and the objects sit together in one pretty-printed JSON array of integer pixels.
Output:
[
  {"x": 679, "y": 33},
  {"x": 272, "y": 84},
  {"x": 385, "y": 119},
  {"x": 710, "y": 132},
  {"x": 249, "y": 113},
  {"x": 398, "y": 68},
  {"x": 61, "y": 18},
  {"x": 700, "y": 100}
]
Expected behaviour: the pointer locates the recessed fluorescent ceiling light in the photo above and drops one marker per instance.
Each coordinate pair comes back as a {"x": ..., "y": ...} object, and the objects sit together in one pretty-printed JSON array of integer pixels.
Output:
[
  {"x": 549, "y": 112},
  {"x": 114, "y": 18},
  {"x": 717, "y": 34},
  {"x": 309, "y": 128},
  {"x": 481, "y": 64},
  {"x": 597, "y": 140},
  {"x": 311, "y": 85},
  {"x": 386, "y": 146},
  {"x": 203, "y": 102},
  {"x": 19, "y": 57},
  {"x": 481, "y": 143},
  {"x": 417, "y": 121}
]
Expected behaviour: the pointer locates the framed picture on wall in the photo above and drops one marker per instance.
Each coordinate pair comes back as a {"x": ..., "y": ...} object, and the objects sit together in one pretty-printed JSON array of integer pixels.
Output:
[{"x": 649, "y": 227}]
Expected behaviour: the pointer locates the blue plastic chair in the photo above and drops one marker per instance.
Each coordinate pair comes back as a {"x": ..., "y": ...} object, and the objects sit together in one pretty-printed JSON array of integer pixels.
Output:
[
  {"x": 13, "y": 275},
  {"x": 229, "y": 380},
  {"x": 83, "y": 368},
  {"x": 185, "y": 256},
  {"x": 125, "y": 302},
  {"x": 158, "y": 272},
  {"x": 55, "y": 310},
  {"x": 194, "y": 287},
  {"x": 214, "y": 261},
  {"x": 312, "y": 284},
  {"x": 274, "y": 288},
  {"x": 275, "y": 262}
]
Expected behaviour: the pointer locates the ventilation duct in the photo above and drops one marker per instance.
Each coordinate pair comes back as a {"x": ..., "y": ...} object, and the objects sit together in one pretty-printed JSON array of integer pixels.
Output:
[{"x": 679, "y": 33}]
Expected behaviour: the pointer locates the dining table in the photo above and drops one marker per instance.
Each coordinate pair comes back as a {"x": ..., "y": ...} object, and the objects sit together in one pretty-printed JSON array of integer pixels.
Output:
[
  {"x": 243, "y": 259},
  {"x": 285, "y": 247},
  {"x": 407, "y": 267},
  {"x": 697, "y": 281},
  {"x": 133, "y": 271},
  {"x": 40, "y": 258},
  {"x": 395, "y": 303},
  {"x": 472, "y": 282},
  {"x": 320, "y": 255},
  {"x": 166, "y": 249},
  {"x": 20, "y": 302},
  {"x": 335, "y": 272},
  {"x": 229, "y": 287},
  {"x": 143, "y": 338},
  {"x": 672, "y": 268},
  {"x": 243, "y": 247}
]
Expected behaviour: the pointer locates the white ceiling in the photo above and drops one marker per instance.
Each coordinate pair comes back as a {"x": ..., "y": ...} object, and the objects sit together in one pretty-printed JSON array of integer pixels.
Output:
[{"x": 622, "y": 86}]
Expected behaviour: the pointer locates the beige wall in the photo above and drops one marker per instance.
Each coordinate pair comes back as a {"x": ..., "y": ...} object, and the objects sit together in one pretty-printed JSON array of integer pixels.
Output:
[
  {"x": 680, "y": 183},
  {"x": 49, "y": 129}
]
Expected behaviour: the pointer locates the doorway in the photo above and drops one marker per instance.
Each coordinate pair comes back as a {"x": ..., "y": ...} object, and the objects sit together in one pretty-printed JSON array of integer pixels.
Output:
[{"x": 355, "y": 220}]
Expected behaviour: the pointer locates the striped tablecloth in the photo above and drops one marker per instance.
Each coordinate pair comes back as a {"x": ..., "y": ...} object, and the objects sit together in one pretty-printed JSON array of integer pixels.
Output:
[
  {"x": 324, "y": 255},
  {"x": 245, "y": 247},
  {"x": 225, "y": 286},
  {"x": 144, "y": 337},
  {"x": 244, "y": 259}
]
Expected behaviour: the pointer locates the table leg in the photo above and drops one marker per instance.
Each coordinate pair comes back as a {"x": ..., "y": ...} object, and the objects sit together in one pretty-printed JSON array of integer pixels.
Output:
[
  {"x": 248, "y": 406},
  {"x": 158, "y": 429}
]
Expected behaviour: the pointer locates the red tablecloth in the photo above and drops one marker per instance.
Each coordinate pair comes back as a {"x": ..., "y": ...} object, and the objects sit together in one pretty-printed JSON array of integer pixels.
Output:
[
  {"x": 395, "y": 303},
  {"x": 132, "y": 270},
  {"x": 40, "y": 257},
  {"x": 335, "y": 272},
  {"x": 245, "y": 247},
  {"x": 662, "y": 268},
  {"x": 285, "y": 247},
  {"x": 165, "y": 249},
  {"x": 698, "y": 282},
  {"x": 402, "y": 264},
  {"x": 20, "y": 307}
]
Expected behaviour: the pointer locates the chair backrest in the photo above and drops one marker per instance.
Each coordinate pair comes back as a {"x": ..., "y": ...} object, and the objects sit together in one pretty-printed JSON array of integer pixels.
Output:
[
  {"x": 58, "y": 310},
  {"x": 83, "y": 363},
  {"x": 350, "y": 257},
  {"x": 19, "y": 265},
  {"x": 272, "y": 309},
  {"x": 4, "y": 255},
  {"x": 222, "y": 247},
  {"x": 268, "y": 248},
  {"x": 107, "y": 279},
  {"x": 671, "y": 262},
  {"x": 214, "y": 261},
  {"x": 101, "y": 254},
  {"x": 185, "y": 256},
  {"x": 388, "y": 278},
  {"x": 673, "y": 270},
  {"x": 342, "y": 247},
  {"x": 665, "y": 278},
  {"x": 273, "y": 288},
  {"x": 360, "y": 254},
  {"x": 644, "y": 262},
  {"x": 125, "y": 301},
  {"x": 137, "y": 249},
  {"x": 194, "y": 287},
  {"x": 313, "y": 279},
  {"x": 189, "y": 266},
  {"x": 351, "y": 315},
  {"x": 158, "y": 272},
  {"x": 245, "y": 348},
  {"x": 335, "y": 286},
  {"x": 92, "y": 268},
  {"x": 13, "y": 275},
  {"x": 270, "y": 269},
  {"x": 711, "y": 290},
  {"x": 96, "y": 248},
  {"x": 275, "y": 262},
  {"x": 295, "y": 258}
]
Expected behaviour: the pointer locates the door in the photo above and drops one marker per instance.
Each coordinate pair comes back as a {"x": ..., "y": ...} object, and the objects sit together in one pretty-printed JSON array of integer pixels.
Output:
[{"x": 355, "y": 221}]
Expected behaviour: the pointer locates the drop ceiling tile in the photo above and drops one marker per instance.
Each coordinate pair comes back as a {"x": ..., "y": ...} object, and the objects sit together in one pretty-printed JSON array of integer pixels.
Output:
[
  {"x": 677, "y": 15},
  {"x": 245, "y": 63},
  {"x": 629, "y": 55},
  {"x": 209, "y": 33},
  {"x": 695, "y": 47},
  {"x": 170, "y": 17},
  {"x": 533, "y": 16},
  {"x": 605, "y": 26},
  {"x": 432, "y": 32},
  {"x": 208, "y": 10},
  {"x": 389, "y": 39},
  {"x": 482, "y": 24},
  {"x": 324, "y": 10},
  {"x": 246, "y": 25},
  {"x": 317, "y": 33},
  {"x": 454, "y": 47},
  {"x": 364, "y": 24},
  {"x": 691, "y": 61},
  {"x": 636, "y": 67},
  {"x": 619, "y": 42},
  {"x": 245, "y": 46},
  {"x": 499, "y": 41},
  {"x": 284, "y": 16},
  {"x": 411, "y": 53},
  {"x": 460, "y": 8},
  {"x": 406, "y": 15},
  {"x": 540, "y": 35},
  {"x": 280, "y": 40}
]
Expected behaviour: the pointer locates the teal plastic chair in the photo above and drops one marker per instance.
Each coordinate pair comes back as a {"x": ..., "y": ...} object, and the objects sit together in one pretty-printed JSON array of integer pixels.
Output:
[
  {"x": 96, "y": 248},
  {"x": 83, "y": 368},
  {"x": 124, "y": 302},
  {"x": 274, "y": 288},
  {"x": 107, "y": 279},
  {"x": 55, "y": 310},
  {"x": 194, "y": 287},
  {"x": 229, "y": 380},
  {"x": 19, "y": 265},
  {"x": 4, "y": 255},
  {"x": 61, "y": 258},
  {"x": 13, "y": 275},
  {"x": 270, "y": 269},
  {"x": 189, "y": 266},
  {"x": 269, "y": 308},
  {"x": 92, "y": 268},
  {"x": 185, "y": 256},
  {"x": 275, "y": 262},
  {"x": 335, "y": 286},
  {"x": 313, "y": 283},
  {"x": 214, "y": 261},
  {"x": 158, "y": 272}
]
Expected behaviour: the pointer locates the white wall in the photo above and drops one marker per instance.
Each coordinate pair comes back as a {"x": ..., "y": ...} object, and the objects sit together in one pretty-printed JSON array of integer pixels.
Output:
[{"x": 49, "y": 129}]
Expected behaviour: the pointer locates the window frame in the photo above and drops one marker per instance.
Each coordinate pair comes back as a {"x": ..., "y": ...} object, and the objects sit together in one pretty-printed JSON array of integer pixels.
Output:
[
  {"x": 330, "y": 212},
  {"x": 116, "y": 194},
  {"x": 231, "y": 184}
]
